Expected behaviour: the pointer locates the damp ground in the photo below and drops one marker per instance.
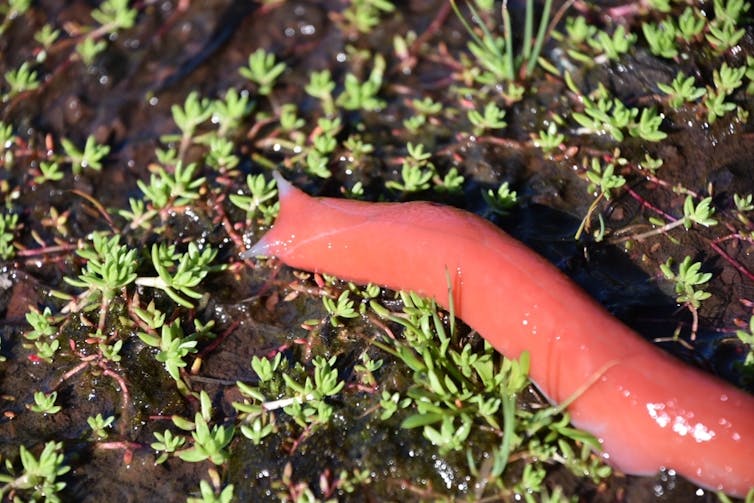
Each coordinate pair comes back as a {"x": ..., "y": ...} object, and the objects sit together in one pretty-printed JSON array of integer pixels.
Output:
[{"x": 125, "y": 97}]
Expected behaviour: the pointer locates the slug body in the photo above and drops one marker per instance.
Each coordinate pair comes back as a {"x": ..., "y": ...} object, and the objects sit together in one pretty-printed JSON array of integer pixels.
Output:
[{"x": 648, "y": 409}]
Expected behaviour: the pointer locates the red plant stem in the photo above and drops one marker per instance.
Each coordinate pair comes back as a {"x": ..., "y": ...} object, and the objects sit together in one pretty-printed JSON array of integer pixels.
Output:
[
  {"x": 649, "y": 205},
  {"x": 219, "y": 340},
  {"x": 72, "y": 372},
  {"x": 735, "y": 263},
  {"x": 410, "y": 61},
  {"x": 121, "y": 444},
  {"x": 47, "y": 250},
  {"x": 125, "y": 397}
]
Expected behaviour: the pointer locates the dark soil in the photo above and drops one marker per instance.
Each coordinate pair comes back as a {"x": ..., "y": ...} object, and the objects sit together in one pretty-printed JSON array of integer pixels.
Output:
[{"x": 124, "y": 100}]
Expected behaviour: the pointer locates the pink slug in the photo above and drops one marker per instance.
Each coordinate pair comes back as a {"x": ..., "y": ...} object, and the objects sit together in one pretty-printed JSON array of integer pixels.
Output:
[{"x": 648, "y": 409}]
